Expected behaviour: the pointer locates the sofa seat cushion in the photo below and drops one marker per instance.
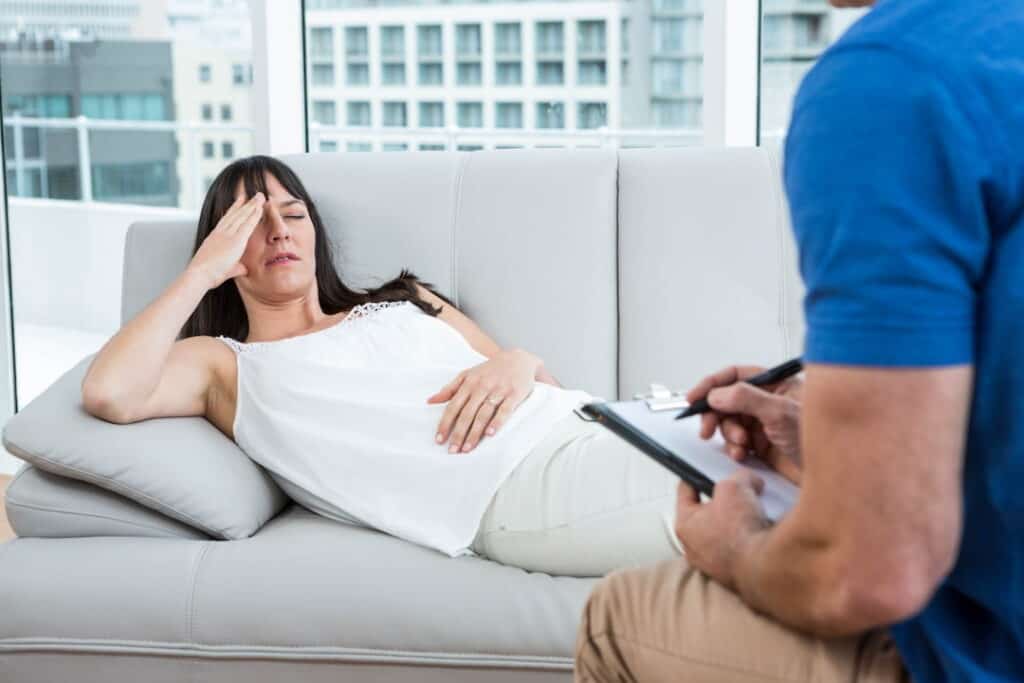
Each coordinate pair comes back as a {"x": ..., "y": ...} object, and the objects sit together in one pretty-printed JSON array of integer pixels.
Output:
[
  {"x": 45, "y": 505},
  {"x": 304, "y": 587}
]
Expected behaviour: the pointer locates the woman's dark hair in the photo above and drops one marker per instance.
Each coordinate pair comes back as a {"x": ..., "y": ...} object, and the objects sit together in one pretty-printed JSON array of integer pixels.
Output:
[{"x": 221, "y": 311}]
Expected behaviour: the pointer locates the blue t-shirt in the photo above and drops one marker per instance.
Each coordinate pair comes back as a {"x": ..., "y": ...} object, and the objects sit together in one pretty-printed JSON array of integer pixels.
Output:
[{"x": 904, "y": 167}]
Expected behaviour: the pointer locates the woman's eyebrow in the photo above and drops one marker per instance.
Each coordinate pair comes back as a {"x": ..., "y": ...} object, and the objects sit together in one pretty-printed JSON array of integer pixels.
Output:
[{"x": 289, "y": 202}]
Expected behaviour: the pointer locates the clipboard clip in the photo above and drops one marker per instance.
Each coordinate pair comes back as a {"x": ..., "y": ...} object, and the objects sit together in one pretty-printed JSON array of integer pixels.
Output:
[{"x": 659, "y": 397}]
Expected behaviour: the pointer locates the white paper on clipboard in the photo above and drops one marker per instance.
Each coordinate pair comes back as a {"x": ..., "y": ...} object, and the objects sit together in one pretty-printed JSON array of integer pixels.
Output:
[{"x": 682, "y": 438}]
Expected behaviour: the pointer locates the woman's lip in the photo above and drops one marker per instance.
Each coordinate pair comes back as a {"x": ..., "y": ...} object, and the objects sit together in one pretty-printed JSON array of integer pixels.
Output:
[{"x": 281, "y": 262}]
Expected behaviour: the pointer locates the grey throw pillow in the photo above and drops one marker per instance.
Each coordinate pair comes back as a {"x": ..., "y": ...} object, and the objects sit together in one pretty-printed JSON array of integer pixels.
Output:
[{"x": 182, "y": 467}]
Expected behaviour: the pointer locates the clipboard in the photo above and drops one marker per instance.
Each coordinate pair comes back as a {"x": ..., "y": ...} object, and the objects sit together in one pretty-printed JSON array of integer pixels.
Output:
[{"x": 677, "y": 446}]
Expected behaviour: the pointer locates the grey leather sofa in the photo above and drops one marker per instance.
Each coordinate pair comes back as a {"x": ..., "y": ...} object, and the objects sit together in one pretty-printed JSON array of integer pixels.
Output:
[{"x": 619, "y": 268}]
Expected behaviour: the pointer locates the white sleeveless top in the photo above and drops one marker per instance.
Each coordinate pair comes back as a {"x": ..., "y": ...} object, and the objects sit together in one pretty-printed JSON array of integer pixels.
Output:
[{"x": 339, "y": 417}]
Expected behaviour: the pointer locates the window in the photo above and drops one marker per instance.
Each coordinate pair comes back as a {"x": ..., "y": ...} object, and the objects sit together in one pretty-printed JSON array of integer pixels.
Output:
[
  {"x": 359, "y": 147},
  {"x": 431, "y": 147},
  {"x": 469, "y": 74},
  {"x": 328, "y": 146},
  {"x": 508, "y": 39},
  {"x": 590, "y": 38},
  {"x": 393, "y": 74},
  {"x": 324, "y": 113},
  {"x": 124, "y": 106},
  {"x": 392, "y": 42},
  {"x": 509, "y": 73},
  {"x": 225, "y": 112},
  {"x": 103, "y": 85},
  {"x": 676, "y": 114},
  {"x": 428, "y": 41},
  {"x": 394, "y": 114},
  {"x": 321, "y": 43},
  {"x": 431, "y": 114},
  {"x": 467, "y": 40},
  {"x": 394, "y": 147},
  {"x": 227, "y": 149},
  {"x": 549, "y": 73},
  {"x": 358, "y": 113},
  {"x": 550, "y": 115},
  {"x": 470, "y": 114},
  {"x": 591, "y": 115},
  {"x": 357, "y": 74},
  {"x": 591, "y": 72},
  {"x": 508, "y": 115},
  {"x": 792, "y": 39},
  {"x": 323, "y": 74},
  {"x": 357, "y": 41},
  {"x": 431, "y": 74},
  {"x": 549, "y": 38}
]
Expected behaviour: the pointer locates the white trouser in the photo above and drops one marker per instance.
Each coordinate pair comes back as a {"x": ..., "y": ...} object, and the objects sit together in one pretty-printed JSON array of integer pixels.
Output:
[{"x": 582, "y": 503}]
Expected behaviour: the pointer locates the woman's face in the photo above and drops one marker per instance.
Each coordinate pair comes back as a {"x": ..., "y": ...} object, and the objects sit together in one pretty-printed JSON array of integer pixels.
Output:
[{"x": 279, "y": 255}]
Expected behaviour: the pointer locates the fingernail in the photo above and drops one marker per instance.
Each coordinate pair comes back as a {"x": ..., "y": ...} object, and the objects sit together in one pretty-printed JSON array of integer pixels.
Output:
[
  {"x": 466, "y": 448},
  {"x": 439, "y": 438},
  {"x": 490, "y": 430},
  {"x": 453, "y": 449}
]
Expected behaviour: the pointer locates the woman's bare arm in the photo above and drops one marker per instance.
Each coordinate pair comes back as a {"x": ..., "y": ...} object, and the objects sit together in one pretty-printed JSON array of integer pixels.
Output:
[{"x": 476, "y": 337}]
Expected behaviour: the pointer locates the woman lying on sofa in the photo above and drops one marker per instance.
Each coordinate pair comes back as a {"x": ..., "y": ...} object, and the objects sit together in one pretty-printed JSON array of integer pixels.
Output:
[{"x": 387, "y": 407}]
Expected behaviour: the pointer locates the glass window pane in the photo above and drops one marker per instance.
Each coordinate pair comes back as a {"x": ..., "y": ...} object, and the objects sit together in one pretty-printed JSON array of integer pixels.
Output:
[
  {"x": 137, "y": 68},
  {"x": 323, "y": 74},
  {"x": 627, "y": 67},
  {"x": 793, "y": 36},
  {"x": 394, "y": 114}
]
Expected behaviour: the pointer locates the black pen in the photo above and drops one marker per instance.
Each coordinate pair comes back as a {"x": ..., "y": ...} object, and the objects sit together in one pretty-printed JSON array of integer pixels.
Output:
[{"x": 772, "y": 376}]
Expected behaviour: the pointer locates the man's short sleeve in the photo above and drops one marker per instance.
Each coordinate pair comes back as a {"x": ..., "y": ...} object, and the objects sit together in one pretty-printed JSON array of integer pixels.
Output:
[{"x": 884, "y": 174}]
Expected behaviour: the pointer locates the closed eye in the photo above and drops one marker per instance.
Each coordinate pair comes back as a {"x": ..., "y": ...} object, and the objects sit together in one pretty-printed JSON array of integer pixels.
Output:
[{"x": 299, "y": 216}]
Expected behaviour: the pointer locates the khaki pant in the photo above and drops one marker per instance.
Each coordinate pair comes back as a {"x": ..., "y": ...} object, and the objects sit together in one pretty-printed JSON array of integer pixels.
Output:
[{"x": 668, "y": 622}]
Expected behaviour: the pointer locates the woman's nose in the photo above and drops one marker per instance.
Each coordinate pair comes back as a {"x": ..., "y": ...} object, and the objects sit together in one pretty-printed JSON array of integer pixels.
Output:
[{"x": 278, "y": 227}]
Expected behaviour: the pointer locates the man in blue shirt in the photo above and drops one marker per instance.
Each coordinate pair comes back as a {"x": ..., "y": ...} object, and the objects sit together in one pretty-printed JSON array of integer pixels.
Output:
[{"x": 904, "y": 167}]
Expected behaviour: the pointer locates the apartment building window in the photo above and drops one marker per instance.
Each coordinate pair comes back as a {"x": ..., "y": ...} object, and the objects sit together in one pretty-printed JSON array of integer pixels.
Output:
[
  {"x": 624, "y": 37},
  {"x": 549, "y": 38},
  {"x": 550, "y": 115},
  {"x": 591, "y": 115},
  {"x": 590, "y": 37},
  {"x": 205, "y": 73},
  {"x": 328, "y": 145},
  {"x": 676, "y": 114},
  {"x": 323, "y": 74},
  {"x": 357, "y": 42},
  {"x": 676, "y": 77},
  {"x": 677, "y": 35},
  {"x": 431, "y": 147},
  {"x": 550, "y": 73},
  {"x": 393, "y": 74},
  {"x": 358, "y": 113},
  {"x": 508, "y": 115},
  {"x": 509, "y": 73},
  {"x": 392, "y": 42},
  {"x": 468, "y": 73},
  {"x": 207, "y": 149},
  {"x": 431, "y": 74},
  {"x": 467, "y": 40},
  {"x": 124, "y": 106},
  {"x": 394, "y": 114},
  {"x": 470, "y": 114},
  {"x": 591, "y": 72},
  {"x": 358, "y": 147},
  {"x": 48, "y": 106},
  {"x": 508, "y": 41},
  {"x": 321, "y": 43},
  {"x": 207, "y": 112},
  {"x": 357, "y": 74},
  {"x": 428, "y": 41},
  {"x": 227, "y": 149},
  {"x": 431, "y": 114},
  {"x": 394, "y": 147},
  {"x": 324, "y": 113},
  {"x": 238, "y": 74},
  {"x": 225, "y": 112}
]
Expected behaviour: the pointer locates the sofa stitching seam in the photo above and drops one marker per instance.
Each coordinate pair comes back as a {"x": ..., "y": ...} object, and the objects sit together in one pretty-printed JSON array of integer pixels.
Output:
[
  {"x": 76, "y": 513},
  {"x": 192, "y": 592}
]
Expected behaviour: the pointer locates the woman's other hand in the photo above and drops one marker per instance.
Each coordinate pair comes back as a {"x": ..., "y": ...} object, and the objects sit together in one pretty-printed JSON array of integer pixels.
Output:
[
  {"x": 481, "y": 398},
  {"x": 218, "y": 258},
  {"x": 764, "y": 421}
]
